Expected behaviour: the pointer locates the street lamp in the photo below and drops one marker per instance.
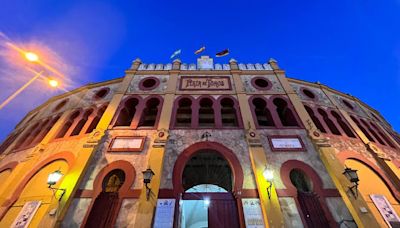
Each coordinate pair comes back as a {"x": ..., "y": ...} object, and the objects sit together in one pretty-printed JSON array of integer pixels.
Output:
[
  {"x": 52, "y": 179},
  {"x": 53, "y": 82},
  {"x": 269, "y": 176},
  {"x": 31, "y": 57},
  {"x": 147, "y": 176},
  {"x": 351, "y": 175}
]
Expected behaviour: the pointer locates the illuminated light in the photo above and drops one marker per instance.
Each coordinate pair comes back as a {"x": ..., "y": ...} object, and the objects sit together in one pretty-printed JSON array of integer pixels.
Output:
[
  {"x": 32, "y": 57},
  {"x": 53, "y": 83},
  {"x": 54, "y": 177},
  {"x": 206, "y": 202},
  {"x": 268, "y": 174}
]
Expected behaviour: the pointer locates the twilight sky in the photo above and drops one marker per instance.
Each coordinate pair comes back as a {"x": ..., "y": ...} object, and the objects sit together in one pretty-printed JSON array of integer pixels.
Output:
[{"x": 352, "y": 46}]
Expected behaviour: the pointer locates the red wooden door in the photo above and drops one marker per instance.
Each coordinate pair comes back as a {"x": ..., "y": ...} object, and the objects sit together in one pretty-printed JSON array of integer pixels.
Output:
[
  {"x": 312, "y": 210},
  {"x": 103, "y": 210},
  {"x": 223, "y": 213}
]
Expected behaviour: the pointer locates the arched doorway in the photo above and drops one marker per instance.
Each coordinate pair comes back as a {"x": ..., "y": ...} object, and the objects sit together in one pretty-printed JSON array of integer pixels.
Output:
[
  {"x": 206, "y": 177},
  {"x": 308, "y": 199},
  {"x": 106, "y": 204},
  {"x": 372, "y": 183}
]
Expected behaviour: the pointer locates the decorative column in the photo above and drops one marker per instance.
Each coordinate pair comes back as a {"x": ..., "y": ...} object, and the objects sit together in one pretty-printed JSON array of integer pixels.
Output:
[{"x": 270, "y": 207}]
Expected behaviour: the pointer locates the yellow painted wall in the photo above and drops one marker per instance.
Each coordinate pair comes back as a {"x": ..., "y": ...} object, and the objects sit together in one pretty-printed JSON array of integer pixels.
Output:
[
  {"x": 36, "y": 189},
  {"x": 4, "y": 175},
  {"x": 371, "y": 183}
]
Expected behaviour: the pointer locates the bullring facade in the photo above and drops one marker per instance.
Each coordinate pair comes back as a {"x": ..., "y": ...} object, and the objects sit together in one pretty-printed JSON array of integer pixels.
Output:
[{"x": 208, "y": 132}]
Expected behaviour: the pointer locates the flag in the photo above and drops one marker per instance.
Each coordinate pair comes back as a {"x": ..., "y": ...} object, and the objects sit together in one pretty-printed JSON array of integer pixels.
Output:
[
  {"x": 176, "y": 53},
  {"x": 222, "y": 53},
  {"x": 200, "y": 50}
]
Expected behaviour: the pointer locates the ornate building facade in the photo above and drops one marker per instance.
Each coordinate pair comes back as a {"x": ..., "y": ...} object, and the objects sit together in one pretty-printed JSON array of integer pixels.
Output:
[{"x": 226, "y": 145}]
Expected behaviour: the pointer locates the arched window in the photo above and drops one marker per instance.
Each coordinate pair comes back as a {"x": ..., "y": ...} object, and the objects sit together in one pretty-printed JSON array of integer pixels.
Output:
[
  {"x": 184, "y": 113},
  {"x": 206, "y": 113},
  {"x": 46, "y": 129},
  {"x": 150, "y": 113},
  {"x": 228, "y": 113},
  {"x": 376, "y": 136},
  {"x": 343, "y": 125},
  {"x": 387, "y": 140},
  {"x": 22, "y": 141},
  {"x": 285, "y": 113},
  {"x": 67, "y": 125},
  {"x": 315, "y": 119},
  {"x": 82, "y": 122},
  {"x": 362, "y": 129},
  {"x": 96, "y": 119},
  {"x": 31, "y": 139},
  {"x": 332, "y": 127},
  {"x": 10, "y": 139},
  {"x": 300, "y": 180},
  {"x": 262, "y": 113},
  {"x": 127, "y": 113}
]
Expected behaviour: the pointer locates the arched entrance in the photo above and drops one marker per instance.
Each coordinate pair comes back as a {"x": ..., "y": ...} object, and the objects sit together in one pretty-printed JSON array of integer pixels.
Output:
[
  {"x": 206, "y": 177},
  {"x": 106, "y": 203}
]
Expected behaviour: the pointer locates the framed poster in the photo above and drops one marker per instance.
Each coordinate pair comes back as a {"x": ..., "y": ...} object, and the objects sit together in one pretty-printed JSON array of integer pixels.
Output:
[
  {"x": 127, "y": 144},
  {"x": 164, "y": 217},
  {"x": 286, "y": 143},
  {"x": 252, "y": 213},
  {"x": 26, "y": 214},
  {"x": 386, "y": 210}
]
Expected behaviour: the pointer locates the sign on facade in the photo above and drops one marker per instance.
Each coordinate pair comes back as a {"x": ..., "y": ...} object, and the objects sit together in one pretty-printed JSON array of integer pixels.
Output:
[
  {"x": 205, "y": 83},
  {"x": 252, "y": 213},
  {"x": 286, "y": 143},
  {"x": 386, "y": 210},
  {"x": 122, "y": 144},
  {"x": 26, "y": 214},
  {"x": 164, "y": 217}
]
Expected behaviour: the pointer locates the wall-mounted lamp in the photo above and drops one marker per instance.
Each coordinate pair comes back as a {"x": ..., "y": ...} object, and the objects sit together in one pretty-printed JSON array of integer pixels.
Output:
[
  {"x": 52, "y": 179},
  {"x": 147, "y": 176},
  {"x": 269, "y": 176},
  {"x": 351, "y": 175}
]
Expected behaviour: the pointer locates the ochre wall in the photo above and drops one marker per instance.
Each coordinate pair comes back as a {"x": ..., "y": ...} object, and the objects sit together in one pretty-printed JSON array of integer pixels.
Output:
[{"x": 371, "y": 183}]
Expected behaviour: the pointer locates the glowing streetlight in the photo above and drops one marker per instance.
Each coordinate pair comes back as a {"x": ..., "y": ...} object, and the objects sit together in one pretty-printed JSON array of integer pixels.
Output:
[
  {"x": 53, "y": 82},
  {"x": 31, "y": 57}
]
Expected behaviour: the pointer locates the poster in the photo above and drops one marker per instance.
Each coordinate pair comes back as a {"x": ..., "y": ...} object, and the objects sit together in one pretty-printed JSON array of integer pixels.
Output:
[
  {"x": 26, "y": 214},
  {"x": 164, "y": 213},
  {"x": 386, "y": 210},
  {"x": 252, "y": 213}
]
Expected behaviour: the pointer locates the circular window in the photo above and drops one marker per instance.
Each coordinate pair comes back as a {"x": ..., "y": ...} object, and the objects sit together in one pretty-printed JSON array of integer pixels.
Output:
[
  {"x": 60, "y": 105},
  {"x": 149, "y": 83},
  {"x": 309, "y": 94},
  {"x": 101, "y": 93},
  {"x": 261, "y": 83},
  {"x": 347, "y": 104}
]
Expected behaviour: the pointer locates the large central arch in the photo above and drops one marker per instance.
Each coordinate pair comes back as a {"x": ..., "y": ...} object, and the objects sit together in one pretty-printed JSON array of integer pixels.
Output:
[{"x": 189, "y": 152}]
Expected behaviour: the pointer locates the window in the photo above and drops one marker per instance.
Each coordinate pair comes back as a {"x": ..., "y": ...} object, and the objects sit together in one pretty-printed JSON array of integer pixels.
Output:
[
  {"x": 348, "y": 105},
  {"x": 308, "y": 93},
  {"x": 262, "y": 113},
  {"x": 285, "y": 113},
  {"x": 127, "y": 113},
  {"x": 96, "y": 119},
  {"x": 149, "y": 83},
  {"x": 387, "y": 140},
  {"x": 82, "y": 122},
  {"x": 332, "y": 127},
  {"x": 261, "y": 83},
  {"x": 184, "y": 113},
  {"x": 362, "y": 129},
  {"x": 206, "y": 113},
  {"x": 102, "y": 93},
  {"x": 228, "y": 113},
  {"x": 315, "y": 119},
  {"x": 300, "y": 180},
  {"x": 46, "y": 130},
  {"x": 10, "y": 139},
  {"x": 343, "y": 125},
  {"x": 67, "y": 125},
  {"x": 60, "y": 105},
  {"x": 372, "y": 131},
  {"x": 22, "y": 141},
  {"x": 150, "y": 113}
]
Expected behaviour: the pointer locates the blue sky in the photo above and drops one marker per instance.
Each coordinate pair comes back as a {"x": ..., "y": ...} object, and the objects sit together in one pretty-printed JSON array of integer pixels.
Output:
[{"x": 352, "y": 46}]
